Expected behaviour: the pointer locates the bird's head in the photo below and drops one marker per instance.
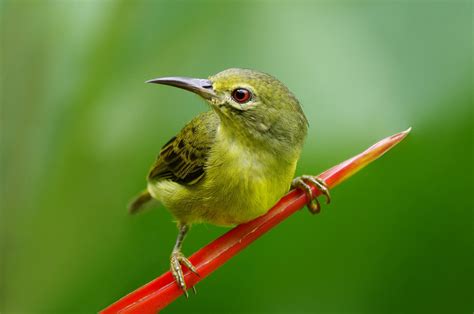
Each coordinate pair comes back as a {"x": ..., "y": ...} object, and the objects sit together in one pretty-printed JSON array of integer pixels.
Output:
[{"x": 250, "y": 104}]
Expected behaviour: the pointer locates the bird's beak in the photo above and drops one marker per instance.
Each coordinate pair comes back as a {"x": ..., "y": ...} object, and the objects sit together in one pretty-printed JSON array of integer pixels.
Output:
[{"x": 202, "y": 87}]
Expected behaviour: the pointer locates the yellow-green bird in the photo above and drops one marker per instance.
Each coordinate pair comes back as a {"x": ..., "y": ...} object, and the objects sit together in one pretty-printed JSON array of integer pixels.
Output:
[{"x": 231, "y": 164}]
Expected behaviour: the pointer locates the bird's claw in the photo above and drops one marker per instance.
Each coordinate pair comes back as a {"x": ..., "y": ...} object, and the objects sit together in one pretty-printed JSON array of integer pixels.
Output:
[
  {"x": 302, "y": 183},
  {"x": 177, "y": 258}
]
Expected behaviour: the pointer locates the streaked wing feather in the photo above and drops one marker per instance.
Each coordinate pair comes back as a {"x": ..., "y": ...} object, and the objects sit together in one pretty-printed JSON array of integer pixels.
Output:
[{"x": 184, "y": 157}]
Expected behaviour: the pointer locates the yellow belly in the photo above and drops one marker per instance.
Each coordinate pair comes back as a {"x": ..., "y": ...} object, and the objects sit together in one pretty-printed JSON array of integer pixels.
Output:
[
  {"x": 227, "y": 195},
  {"x": 240, "y": 184}
]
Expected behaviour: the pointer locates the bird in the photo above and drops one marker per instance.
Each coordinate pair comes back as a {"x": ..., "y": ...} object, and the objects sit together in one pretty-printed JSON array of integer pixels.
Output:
[{"x": 231, "y": 163}]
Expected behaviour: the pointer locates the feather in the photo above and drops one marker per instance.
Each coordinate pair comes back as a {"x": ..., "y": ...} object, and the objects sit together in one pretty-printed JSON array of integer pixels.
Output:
[{"x": 183, "y": 158}]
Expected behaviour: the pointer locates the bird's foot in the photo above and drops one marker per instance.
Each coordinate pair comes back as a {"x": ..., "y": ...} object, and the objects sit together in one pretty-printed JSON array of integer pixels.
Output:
[
  {"x": 177, "y": 258},
  {"x": 303, "y": 182}
]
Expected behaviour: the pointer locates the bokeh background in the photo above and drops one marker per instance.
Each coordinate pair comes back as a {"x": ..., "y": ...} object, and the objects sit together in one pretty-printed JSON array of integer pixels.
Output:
[{"x": 79, "y": 130}]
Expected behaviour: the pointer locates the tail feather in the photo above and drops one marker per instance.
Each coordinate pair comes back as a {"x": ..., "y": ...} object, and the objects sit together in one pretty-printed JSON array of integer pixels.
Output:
[{"x": 137, "y": 204}]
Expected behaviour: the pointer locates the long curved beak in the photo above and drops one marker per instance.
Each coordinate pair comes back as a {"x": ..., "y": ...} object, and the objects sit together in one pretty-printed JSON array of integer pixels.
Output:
[{"x": 202, "y": 87}]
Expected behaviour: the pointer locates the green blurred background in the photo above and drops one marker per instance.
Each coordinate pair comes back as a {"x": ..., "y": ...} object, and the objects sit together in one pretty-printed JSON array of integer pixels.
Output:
[{"x": 79, "y": 130}]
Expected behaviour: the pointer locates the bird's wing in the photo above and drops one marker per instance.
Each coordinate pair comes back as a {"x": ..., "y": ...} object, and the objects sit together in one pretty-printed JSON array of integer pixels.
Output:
[{"x": 183, "y": 158}]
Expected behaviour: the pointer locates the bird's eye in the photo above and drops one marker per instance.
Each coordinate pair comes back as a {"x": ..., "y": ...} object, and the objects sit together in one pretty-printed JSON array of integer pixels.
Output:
[{"x": 241, "y": 95}]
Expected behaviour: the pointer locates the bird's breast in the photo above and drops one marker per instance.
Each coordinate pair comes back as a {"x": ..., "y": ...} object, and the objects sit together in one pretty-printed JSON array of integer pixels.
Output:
[
  {"x": 245, "y": 181},
  {"x": 241, "y": 182}
]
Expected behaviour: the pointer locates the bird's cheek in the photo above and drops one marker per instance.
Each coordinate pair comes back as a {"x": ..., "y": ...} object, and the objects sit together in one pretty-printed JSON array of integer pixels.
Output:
[
  {"x": 223, "y": 111},
  {"x": 235, "y": 106},
  {"x": 242, "y": 107}
]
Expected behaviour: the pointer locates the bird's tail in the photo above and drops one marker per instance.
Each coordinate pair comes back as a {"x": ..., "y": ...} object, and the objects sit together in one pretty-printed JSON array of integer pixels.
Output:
[{"x": 138, "y": 203}]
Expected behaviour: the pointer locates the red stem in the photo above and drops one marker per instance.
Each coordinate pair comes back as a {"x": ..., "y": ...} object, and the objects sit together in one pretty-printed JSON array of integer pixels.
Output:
[{"x": 163, "y": 290}]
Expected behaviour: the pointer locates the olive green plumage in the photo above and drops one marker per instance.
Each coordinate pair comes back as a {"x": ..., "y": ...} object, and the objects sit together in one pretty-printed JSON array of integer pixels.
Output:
[{"x": 232, "y": 163}]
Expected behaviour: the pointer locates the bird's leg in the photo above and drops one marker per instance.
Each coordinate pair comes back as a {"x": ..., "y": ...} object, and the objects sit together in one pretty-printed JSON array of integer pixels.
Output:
[
  {"x": 177, "y": 258},
  {"x": 303, "y": 182}
]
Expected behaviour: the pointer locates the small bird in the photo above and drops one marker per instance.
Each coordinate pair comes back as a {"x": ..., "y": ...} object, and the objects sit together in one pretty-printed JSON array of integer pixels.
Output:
[{"x": 229, "y": 165}]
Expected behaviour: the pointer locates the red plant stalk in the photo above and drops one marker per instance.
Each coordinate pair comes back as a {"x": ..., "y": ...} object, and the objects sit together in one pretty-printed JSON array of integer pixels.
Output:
[{"x": 163, "y": 290}]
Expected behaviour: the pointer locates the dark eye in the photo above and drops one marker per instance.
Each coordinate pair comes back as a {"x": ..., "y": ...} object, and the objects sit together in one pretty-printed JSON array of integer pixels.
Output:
[{"x": 241, "y": 95}]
